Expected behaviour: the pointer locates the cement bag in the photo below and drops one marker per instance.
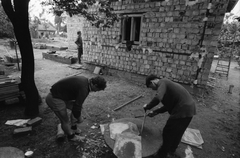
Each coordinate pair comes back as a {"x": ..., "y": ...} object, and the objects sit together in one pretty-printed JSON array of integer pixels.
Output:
[
  {"x": 120, "y": 127},
  {"x": 128, "y": 145}
]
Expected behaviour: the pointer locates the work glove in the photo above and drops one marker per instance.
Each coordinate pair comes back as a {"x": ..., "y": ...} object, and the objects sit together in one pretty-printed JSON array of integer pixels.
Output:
[
  {"x": 145, "y": 108},
  {"x": 152, "y": 114}
]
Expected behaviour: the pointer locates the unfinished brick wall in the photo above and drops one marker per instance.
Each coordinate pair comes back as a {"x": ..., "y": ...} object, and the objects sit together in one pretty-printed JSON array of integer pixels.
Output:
[{"x": 170, "y": 30}]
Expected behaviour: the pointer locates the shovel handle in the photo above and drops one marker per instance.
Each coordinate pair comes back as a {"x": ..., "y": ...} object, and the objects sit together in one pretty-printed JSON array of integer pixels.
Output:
[{"x": 145, "y": 114}]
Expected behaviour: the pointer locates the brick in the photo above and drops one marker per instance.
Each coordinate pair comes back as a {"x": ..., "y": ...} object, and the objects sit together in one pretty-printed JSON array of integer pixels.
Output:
[
  {"x": 34, "y": 122},
  {"x": 22, "y": 131}
]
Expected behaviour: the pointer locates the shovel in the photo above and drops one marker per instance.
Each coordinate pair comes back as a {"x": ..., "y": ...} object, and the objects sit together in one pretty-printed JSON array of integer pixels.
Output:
[{"x": 145, "y": 114}]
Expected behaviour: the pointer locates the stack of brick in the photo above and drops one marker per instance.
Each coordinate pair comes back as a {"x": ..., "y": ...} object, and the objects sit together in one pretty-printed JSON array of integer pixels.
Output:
[
  {"x": 9, "y": 90},
  {"x": 170, "y": 30}
]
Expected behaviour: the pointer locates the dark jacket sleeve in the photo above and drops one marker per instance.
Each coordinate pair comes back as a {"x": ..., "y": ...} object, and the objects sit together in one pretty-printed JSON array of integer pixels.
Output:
[
  {"x": 78, "y": 42},
  {"x": 160, "y": 110},
  {"x": 155, "y": 101}
]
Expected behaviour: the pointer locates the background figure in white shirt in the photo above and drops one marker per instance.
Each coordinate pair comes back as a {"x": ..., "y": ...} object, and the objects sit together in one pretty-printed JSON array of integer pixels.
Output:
[{"x": 199, "y": 67}]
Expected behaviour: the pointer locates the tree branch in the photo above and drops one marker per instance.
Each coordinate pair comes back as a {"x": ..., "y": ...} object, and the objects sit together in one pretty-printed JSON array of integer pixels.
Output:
[{"x": 8, "y": 8}]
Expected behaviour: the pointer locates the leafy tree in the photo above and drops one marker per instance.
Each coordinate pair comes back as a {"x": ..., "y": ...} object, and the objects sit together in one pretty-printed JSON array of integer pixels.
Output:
[
  {"x": 230, "y": 28},
  {"x": 64, "y": 28},
  {"x": 6, "y": 28},
  {"x": 98, "y": 12},
  {"x": 229, "y": 36},
  {"x": 17, "y": 12},
  {"x": 33, "y": 26},
  {"x": 58, "y": 21}
]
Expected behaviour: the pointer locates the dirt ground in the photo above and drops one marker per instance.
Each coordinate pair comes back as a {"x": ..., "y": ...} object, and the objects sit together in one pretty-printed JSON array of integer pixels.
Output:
[{"x": 218, "y": 114}]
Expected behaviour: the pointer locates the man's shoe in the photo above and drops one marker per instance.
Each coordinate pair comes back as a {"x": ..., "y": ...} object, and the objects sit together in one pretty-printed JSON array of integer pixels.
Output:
[
  {"x": 60, "y": 137},
  {"x": 173, "y": 155}
]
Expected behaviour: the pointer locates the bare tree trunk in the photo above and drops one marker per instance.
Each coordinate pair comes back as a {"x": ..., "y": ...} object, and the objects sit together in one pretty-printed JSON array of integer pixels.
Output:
[
  {"x": 58, "y": 28},
  {"x": 18, "y": 14}
]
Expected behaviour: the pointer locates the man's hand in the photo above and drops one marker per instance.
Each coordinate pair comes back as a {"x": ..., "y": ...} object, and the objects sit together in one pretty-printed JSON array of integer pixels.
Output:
[{"x": 152, "y": 114}]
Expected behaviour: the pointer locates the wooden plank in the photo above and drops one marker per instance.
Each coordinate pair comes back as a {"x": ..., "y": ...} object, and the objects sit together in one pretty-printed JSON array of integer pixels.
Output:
[
  {"x": 127, "y": 103},
  {"x": 8, "y": 84}
]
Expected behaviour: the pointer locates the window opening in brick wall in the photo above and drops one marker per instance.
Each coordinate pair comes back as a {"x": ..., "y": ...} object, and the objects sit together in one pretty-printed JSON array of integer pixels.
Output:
[{"x": 131, "y": 28}]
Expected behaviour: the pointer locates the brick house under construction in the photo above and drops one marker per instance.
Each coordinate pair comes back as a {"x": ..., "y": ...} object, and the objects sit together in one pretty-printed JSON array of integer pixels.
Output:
[{"x": 154, "y": 37}]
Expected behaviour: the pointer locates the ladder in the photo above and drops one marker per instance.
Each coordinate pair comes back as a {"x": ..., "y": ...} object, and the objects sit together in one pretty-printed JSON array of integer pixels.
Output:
[{"x": 223, "y": 64}]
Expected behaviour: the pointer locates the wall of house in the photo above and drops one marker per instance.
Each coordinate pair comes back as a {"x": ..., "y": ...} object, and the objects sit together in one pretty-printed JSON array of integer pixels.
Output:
[{"x": 170, "y": 32}]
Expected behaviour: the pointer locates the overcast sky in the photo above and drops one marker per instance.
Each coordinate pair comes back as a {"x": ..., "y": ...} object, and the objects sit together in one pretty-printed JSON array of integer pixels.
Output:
[
  {"x": 35, "y": 8},
  {"x": 236, "y": 9}
]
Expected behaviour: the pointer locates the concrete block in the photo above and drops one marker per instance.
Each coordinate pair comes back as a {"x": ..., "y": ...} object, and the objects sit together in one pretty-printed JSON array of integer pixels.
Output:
[
  {"x": 22, "y": 131},
  {"x": 34, "y": 122}
]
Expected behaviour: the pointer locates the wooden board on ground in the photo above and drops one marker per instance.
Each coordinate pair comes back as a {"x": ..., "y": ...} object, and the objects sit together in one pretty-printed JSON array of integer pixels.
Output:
[
  {"x": 77, "y": 66},
  {"x": 97, "y": 70},
  {"x": 59, "y": 58}
]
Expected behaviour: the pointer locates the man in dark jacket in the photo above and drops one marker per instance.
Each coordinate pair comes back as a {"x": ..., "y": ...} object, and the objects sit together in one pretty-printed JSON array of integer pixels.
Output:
[
  {"x": 178, "y": 103},
  {"x": 79, "y": 44},
  {"x": 73, "y": 90}
]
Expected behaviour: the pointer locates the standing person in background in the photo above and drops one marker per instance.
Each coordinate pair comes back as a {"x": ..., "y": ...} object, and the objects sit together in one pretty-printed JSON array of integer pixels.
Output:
[
  {"x": 199, "y": 68},
  {"x": 79, "y": 44},
  {"x": 179, "y": 104},
  {"x": 70, "y": 93}
]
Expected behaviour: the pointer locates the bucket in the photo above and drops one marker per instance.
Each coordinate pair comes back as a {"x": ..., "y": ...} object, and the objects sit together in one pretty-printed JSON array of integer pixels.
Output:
[{"x": 230, "y": 89}]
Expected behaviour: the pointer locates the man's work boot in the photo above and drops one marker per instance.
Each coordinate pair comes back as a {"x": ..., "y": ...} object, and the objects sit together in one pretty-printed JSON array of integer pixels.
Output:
[{"x": 173, "y": 155}]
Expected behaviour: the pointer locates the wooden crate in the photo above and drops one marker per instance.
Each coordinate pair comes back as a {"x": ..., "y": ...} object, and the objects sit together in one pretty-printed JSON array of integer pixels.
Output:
[{"x": 60, "y": 59}]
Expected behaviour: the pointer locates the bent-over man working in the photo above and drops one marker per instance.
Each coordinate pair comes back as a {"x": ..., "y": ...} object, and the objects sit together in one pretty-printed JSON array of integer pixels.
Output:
[
  {"x": 178, "y": 103},
  {"x": 73, "y": 90}
]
